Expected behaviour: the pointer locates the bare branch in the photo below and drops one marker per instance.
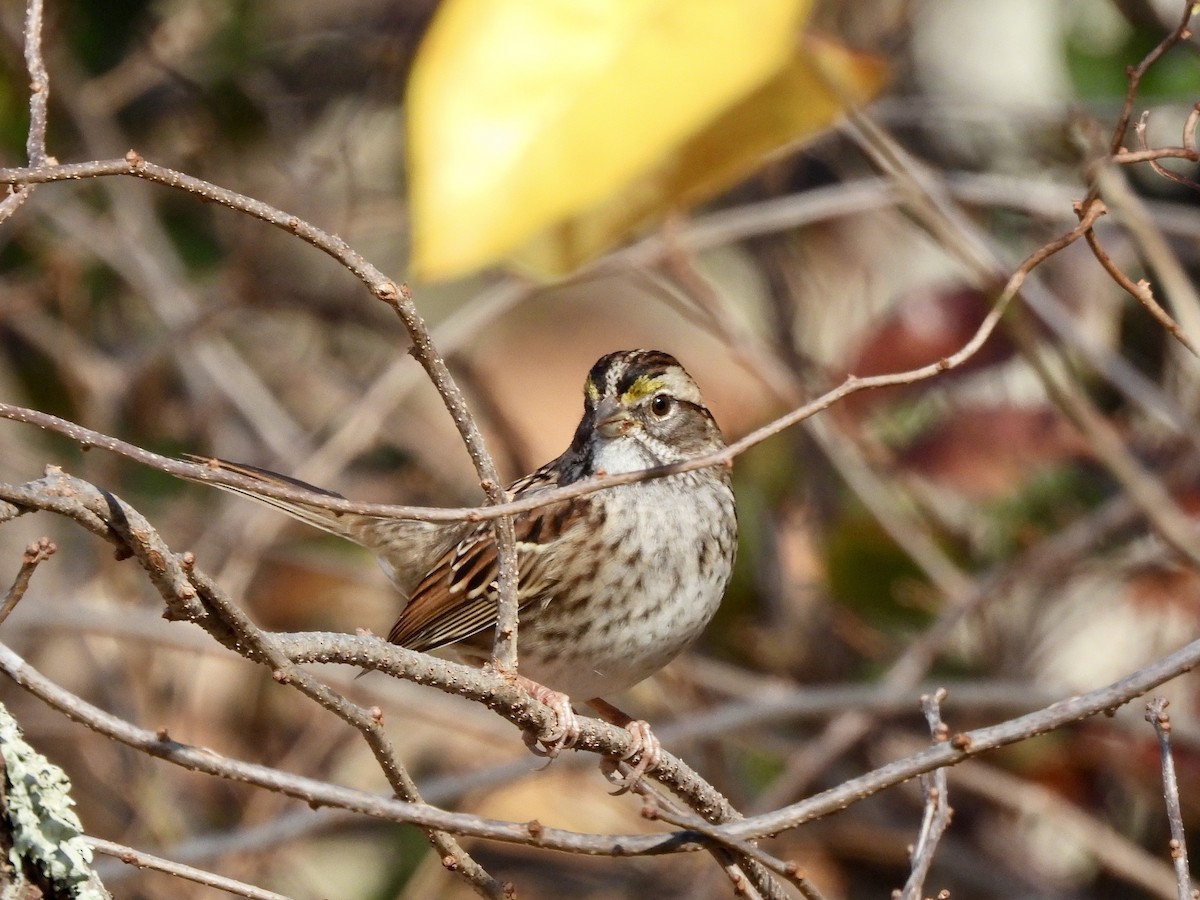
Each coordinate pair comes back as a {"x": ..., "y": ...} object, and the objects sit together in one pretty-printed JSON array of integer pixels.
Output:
[
  {"x": 761, "y": 863},
  {"x": 1151, "y": 155},
  {"x": 1140, "y": 290},
  {"x": 1117, "y": 154},
  {"x": 964, "y": 745},
  {"x": 308, "y": 790},
  {"x": 143, "y": 860},
  {"x": 191, "y": 596},
  {"x": 1114, "y": 852},
  {"x": 1136, "y": 73},
  {"x": 350, "y": 649},
  {"x": 39, "y": 96},
  {"x": 937, "y": 802},
  {"x": 320, "y": 793},
  {"x": 1189, "y": 147},
  {"x": 505, "y": 647},
  {"x": 36, "y": 553},
  {"x": 929, "y": 199},
  {"x": 1156, "y": 715},
  {"x": 357, "y": 650},
  {"x": 178, "y": 580},
  {"x": 39, "y": 86}
]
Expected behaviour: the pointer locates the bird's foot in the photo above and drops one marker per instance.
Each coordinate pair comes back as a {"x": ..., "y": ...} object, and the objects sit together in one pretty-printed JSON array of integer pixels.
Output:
[
  {"x": 646, "y": 748},
  {"x": 564, "y": 733}
]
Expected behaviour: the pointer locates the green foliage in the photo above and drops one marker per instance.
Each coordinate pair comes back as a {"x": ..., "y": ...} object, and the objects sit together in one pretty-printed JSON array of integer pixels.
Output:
[
  {"x": 190, "y": 228},
  {"x": 870, "y": 574},
  {"x": 1049, "y": 501},
  {"x": 760, "y": 768},
  {"x": 409, "y": 849},
  {"x": 1098, "y": 70},
  {"x": 101, "y": 33},
  {"x": 14, "y": 115}
]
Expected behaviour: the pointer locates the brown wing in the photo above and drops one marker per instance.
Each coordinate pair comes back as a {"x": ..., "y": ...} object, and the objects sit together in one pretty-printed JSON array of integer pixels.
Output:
[{"x": 457, "y": 598}]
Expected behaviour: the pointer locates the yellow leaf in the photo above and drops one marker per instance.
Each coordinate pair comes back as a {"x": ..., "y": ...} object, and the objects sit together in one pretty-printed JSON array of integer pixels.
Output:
[
  {"x": 522, "y": 113},
  {"x": 806, "y": 96}
]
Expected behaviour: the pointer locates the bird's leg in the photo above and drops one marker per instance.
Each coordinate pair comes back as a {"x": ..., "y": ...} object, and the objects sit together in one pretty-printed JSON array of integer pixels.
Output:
[
  {"x": 566, "y": 725},
  {"x": 645, "y": 745}
]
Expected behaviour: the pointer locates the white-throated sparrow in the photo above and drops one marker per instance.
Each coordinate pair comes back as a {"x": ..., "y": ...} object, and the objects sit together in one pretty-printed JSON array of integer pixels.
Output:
[{"x": 613, "y": 585}]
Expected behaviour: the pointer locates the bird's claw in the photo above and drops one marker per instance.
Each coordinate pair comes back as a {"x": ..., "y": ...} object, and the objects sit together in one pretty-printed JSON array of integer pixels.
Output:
[
  {"x": 645, "y": 747},
  {"x": 563, "y": 734}
]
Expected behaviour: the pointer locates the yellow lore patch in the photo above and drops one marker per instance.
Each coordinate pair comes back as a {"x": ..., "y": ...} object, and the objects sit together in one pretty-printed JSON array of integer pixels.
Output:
[{"x": 642, "y": 387}]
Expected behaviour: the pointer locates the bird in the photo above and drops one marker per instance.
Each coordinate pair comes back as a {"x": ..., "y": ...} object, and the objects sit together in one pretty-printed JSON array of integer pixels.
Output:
[{"x": 612, "y": 585}]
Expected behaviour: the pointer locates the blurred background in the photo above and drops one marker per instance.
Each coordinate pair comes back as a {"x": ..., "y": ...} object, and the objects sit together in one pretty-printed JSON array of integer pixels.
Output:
[{"x": 959, "y": 532}]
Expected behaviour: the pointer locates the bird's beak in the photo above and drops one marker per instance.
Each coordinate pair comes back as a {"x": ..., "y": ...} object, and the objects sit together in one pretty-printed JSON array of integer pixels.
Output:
[{"x": 612, "y": 419}]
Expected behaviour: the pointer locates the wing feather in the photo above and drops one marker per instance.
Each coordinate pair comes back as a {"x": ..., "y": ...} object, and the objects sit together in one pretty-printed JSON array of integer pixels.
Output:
[{"x": 457, "y": 598}]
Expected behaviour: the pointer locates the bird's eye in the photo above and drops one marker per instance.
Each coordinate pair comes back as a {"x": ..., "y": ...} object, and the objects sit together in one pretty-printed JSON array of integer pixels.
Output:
[{"x": 660, "y": 405}]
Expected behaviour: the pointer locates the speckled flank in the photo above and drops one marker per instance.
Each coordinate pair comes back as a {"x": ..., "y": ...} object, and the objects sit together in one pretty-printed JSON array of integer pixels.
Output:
[{"x": 656, "y": 601}]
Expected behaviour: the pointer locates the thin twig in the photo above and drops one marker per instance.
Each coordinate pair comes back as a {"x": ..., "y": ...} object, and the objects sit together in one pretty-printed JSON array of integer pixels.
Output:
[
  {"x": 1140, "y": 290},
  {"x": 723, "y": 228},
  {"x": 1149, "y": 238},
  {"x": 1153, "y": 158},
  {"x": 1117, "y": 154},
  {"x": 143, "y": 860},
  {"x": 320, "y": 793},
  {"x": 1112, "y": 851},
  {"x": 456, "y": 677},
  {"x": 1151, "y": 155},
  {"x": 314, "y": 792},
  {"x": 35, "y": 554},
  {"x": 1156, "y": 715},
  {"x": 929, "y": 200},
  {"x": 963, "y": 745},
  {"x": 1042, "y": 561},
  {"x": 937, "y": 802},
  {"x": 13, "y": 201},
  {"x": 502, "y": 541},
  {"x": 287, "y": 827},
  {"x": 661, "y": 807},
  {"x": 504, "y": 653},
  {"x": 39, "y": 96},
  {"x": 351, "y": 650},
  {"x": 1136, "y": 73},
  {"x": 39, "y": 85}
]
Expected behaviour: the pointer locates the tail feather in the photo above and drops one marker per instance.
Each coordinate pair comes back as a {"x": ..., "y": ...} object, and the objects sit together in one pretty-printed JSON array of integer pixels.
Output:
[
  {"x": 403, "y": 546},
  {"x": 327, "y": 520}
]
